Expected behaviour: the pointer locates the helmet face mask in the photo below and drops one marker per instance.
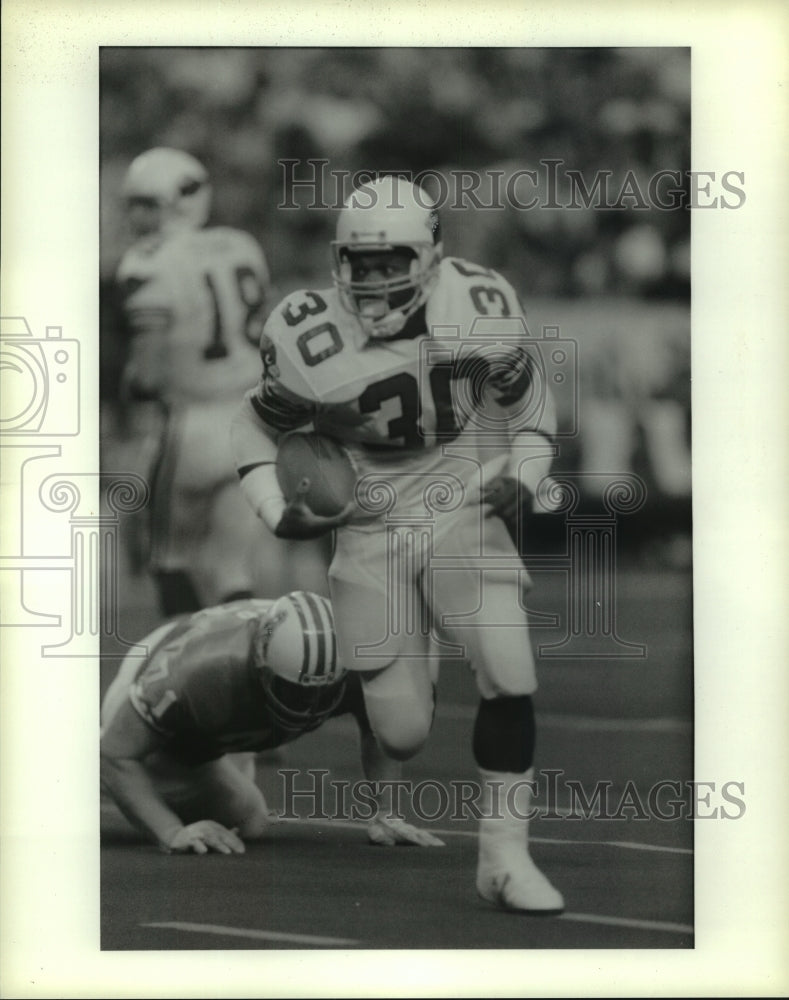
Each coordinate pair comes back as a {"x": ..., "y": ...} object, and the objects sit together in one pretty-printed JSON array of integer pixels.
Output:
[
  {"x": 297, "y": 707},
  {"x": 380, "y": 281},
  {"x": 394, "y": 225},
  {"x": 166, "y": 190},
  {"x": 295, "y": 652}
]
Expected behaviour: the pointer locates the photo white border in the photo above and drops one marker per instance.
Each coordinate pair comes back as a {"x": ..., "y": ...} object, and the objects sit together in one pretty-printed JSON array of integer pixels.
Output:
[{"x": 50, "y": 223}]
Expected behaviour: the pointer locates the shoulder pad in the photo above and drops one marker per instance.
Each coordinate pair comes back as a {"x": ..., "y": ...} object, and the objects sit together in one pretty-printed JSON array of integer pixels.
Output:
[
  {"x": 469, "y": 299},
  {"x": 302, "y": 332},
  {"x": 465, "y": 271}
]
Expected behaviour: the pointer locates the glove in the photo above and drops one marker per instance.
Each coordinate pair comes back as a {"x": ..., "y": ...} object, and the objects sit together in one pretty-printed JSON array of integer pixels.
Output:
[
  {"x": 387, "y": 832},
  {"x": 203, "y": 836},
  {"x": 298, "y": 521}
]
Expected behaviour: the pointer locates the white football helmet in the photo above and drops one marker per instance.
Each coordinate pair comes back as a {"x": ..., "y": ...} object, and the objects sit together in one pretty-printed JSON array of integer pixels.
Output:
[
  {"x": 166, "y": 190},
  {"x": 387, "y": 215},
  {"x": 295, "y": 649}
]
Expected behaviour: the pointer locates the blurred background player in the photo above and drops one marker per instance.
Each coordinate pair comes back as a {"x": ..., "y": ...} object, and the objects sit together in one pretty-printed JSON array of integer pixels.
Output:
[
  {"x": 349, "y": 361},
  {"x": 199, "y": 695},
  {"x": 193, "y": 300}
]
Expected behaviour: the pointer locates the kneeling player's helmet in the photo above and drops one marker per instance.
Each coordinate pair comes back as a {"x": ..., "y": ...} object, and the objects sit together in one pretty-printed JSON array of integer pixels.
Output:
[
  {"x": 295, "y": 649},
  {"x": 172, "y": 186},
  {"x": 389, "y": 215}
]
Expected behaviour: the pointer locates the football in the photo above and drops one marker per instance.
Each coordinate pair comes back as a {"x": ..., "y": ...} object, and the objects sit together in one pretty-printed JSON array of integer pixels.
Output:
[{"x": 325, "y": 463}]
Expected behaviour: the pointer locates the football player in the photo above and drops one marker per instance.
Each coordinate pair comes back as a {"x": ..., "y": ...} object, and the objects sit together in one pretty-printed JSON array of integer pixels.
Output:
[
  {"x": 422, "y": 366},
  {"x": 193, "y": 300},
  {"x": 188, "y": 709}
]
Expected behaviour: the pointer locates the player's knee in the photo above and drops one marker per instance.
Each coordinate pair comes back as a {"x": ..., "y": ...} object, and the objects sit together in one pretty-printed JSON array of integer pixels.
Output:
[
  {"x": 401, "y": 738},
  {"x": 504, "y": 677},
  {"x": 402, "y": 744},
  {"x": 400, "y": 704}
]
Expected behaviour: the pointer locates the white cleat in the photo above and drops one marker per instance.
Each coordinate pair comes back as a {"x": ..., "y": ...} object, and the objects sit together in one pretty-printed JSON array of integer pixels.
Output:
[
  {"x": 518, "y": 884},
  {"x": 506, "y": 874}
]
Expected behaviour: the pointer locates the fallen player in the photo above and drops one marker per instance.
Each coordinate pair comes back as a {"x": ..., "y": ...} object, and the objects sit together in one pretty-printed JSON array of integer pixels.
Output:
[{"x": 200, "y": 695}]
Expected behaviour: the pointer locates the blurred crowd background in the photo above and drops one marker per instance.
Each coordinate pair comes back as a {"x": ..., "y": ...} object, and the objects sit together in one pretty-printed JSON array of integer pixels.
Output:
[{"x": 615, "y": 281}]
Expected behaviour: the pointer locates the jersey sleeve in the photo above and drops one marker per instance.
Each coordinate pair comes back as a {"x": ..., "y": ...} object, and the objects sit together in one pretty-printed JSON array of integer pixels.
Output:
[
  {"x": 518, "y": 388},
  {"x": 189, "y": 690},
  {"x": 157, "y": 696},
  {"x": 283, "y": 399},
  {"x": 276, "y": 406},
  {"x": 504, "y": 364}
]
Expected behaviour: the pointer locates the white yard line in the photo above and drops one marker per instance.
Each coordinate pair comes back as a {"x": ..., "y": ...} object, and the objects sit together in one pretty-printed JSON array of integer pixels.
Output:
[
  {"x": 248, "y": 932},
  {"x": 628, "y": 845},
  {"x": 632, "y": 845},
  {"x": 642, "y": 925},
  {"x": 312, "y": 939},
  {"x": 108, "y": 808}
]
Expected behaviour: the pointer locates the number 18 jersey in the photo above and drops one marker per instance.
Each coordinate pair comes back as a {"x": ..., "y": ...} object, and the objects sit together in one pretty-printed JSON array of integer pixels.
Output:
[{"x": 204, "y": 292}]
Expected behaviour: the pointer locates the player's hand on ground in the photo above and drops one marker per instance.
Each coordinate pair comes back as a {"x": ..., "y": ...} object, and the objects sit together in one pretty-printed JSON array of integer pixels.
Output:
[
  {"x": 504, "y": 497},
  {"x": 388, "y": 832},
  {"x": 205, "y": 836},
  {"x": 298, "y": 521}
]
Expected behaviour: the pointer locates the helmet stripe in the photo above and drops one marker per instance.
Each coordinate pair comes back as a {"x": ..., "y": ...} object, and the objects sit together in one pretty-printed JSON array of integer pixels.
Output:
[
  {"x": 319, "y": 631},
  {"x": 325, "y": 664},
  {"x": 331, "y": 636},
  {"x": 305, "y": 632}
]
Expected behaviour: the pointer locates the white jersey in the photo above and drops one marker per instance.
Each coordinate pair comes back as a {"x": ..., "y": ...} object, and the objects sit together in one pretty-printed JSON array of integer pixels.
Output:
[
  {"x": 194, "y": 305},
  {"x": 435, "y": 406},
  {"x": 430, "y": 417}
]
